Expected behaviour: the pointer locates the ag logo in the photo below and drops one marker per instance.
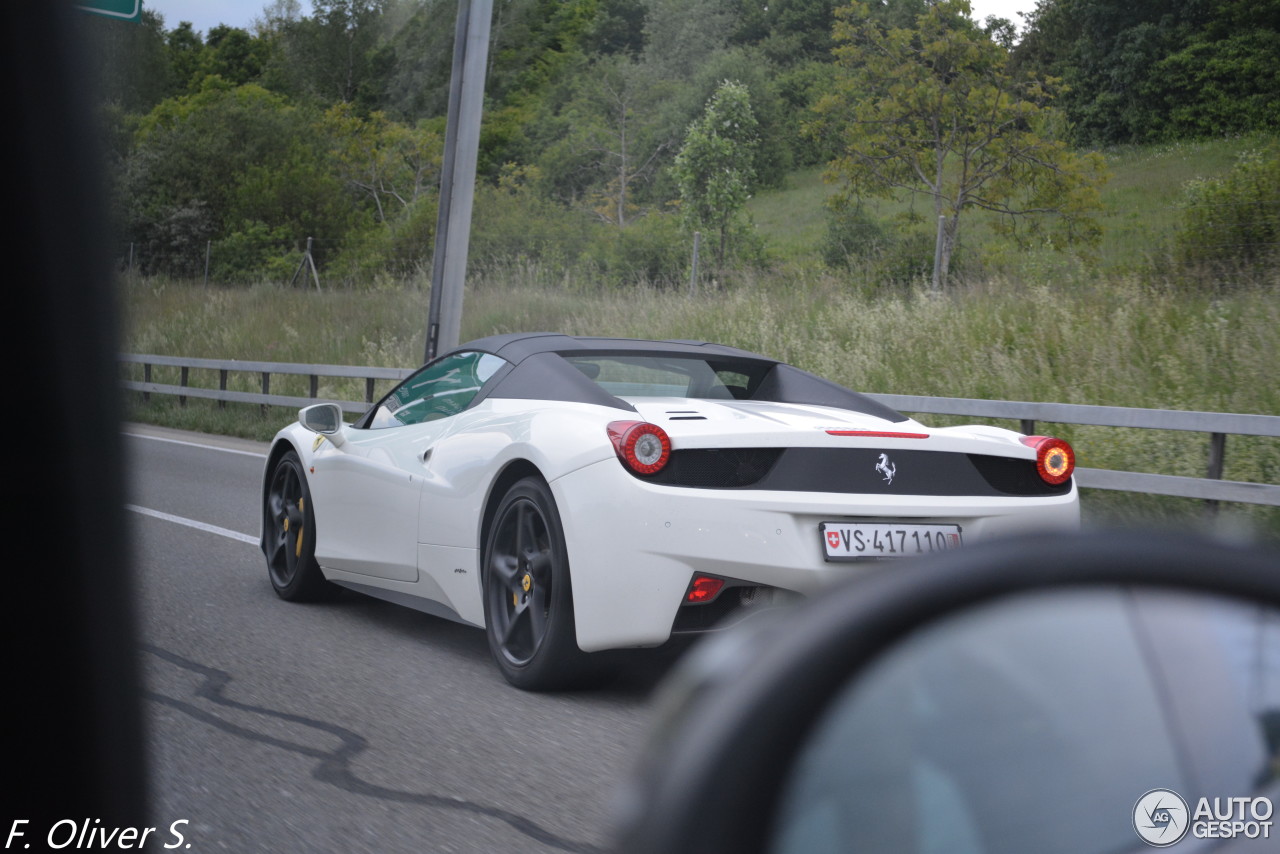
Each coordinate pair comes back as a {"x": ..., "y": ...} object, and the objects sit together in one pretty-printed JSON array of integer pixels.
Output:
[{"x": 1161, "y": 817}]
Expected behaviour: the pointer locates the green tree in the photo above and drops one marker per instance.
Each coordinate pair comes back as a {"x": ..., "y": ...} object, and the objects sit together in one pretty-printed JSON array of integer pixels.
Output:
[
  {"x": 1159, "y": 69},
  {"x": 681, "y": 34},
  {"x": 714, "y": 167},
  {"x": 775, "y": 129},
  {"x": 277, "y": 14},
  {"x": 618, "y": 27},
  {"x": 788, "y": 31},
  {"x": 387, "y": 163},
  {"x": 294, "y": 197},
  {"x": 604, "y": 141},
  {"x": 204, "y": 165},
  {"x": 935, "y": 110},
  {"x": 330, "y": 55},
  {"x": 186, "y": 57},
  {"x": 234, "y": 55}
]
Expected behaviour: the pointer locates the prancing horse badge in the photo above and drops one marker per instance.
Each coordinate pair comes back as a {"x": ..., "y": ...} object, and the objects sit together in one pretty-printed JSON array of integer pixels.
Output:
[{"x": 886, "y": 468}]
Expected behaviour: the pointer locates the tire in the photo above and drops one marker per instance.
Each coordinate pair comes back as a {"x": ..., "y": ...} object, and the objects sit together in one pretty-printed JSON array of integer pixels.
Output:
[
  {"x": 289, "y": 541},
  {"x": 528, "y": 600}
]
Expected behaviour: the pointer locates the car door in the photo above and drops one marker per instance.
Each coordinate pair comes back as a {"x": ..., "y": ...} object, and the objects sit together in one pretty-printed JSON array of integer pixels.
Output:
[{"x": 367, "y": 492}]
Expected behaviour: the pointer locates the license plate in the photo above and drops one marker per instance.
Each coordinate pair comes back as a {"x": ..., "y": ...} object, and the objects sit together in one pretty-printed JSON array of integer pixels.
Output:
[{"x": 867, "y": 540}]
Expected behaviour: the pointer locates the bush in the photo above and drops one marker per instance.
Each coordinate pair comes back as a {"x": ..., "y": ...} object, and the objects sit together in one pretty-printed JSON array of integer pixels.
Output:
[
  {"x": 1234, "y": 219},
  {"x": 508, "y": 224},
  {"x": 255, "y": 253},
  {"x": 398, "y": 249},
  {"x": 857, "y": 242},
  {"x": 851, "y": 235},
  {"x": 654, "y": 249}
]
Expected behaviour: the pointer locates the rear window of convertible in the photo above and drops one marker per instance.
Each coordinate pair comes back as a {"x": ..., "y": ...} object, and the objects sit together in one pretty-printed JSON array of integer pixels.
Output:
[{"x": 672, "y": 376}]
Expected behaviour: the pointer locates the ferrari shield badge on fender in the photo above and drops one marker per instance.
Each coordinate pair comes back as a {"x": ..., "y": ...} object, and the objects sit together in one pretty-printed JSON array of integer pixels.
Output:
[
  {"x": 886, "y": 468},
  {"x": 320, "y": 440}
]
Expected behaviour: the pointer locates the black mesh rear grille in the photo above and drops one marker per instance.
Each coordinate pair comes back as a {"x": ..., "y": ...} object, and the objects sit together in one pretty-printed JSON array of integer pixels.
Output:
[
  {"x": 855, "y": 470},
  {"x": 914, "y": 472},
  {"x": 717, "y": 468},
  {"x": 1014, "y": 477}
]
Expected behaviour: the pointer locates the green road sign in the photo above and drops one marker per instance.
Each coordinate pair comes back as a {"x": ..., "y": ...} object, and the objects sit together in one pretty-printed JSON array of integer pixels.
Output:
[{"x": 125, "y": 10}]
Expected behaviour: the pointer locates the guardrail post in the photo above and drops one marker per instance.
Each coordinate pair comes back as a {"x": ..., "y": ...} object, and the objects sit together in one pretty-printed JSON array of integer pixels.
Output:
[
  {"x": 266, "y": 389},
  {"x": 182, "y": 398},
  {"x": 368, "y": 389},
  {"x": 222, "y": 386},
  {"x": 146, "y": 378},
  {"x": 1028, "y": 426},
  {"x": 1217, "y": 463},
  {"x": 315, "y": 386}
]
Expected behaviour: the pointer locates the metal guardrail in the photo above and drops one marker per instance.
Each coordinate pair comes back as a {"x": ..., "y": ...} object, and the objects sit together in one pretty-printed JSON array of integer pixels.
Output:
[
  {"x": 226, "y": 366},
  {"x": 1212, "y": 488},
  {"x": 1218, "y": 425}
]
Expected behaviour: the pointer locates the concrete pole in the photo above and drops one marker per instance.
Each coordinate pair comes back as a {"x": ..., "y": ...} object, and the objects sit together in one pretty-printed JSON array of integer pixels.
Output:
[{"x": 458, "y": 175}]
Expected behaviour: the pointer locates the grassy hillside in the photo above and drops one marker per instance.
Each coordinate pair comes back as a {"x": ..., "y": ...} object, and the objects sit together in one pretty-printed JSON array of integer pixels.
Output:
[{"x": 1141, "y": 202}]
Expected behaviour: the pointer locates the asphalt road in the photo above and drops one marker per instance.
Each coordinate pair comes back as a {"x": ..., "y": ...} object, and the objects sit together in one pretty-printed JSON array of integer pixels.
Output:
[{"x": 346, "y": 727}]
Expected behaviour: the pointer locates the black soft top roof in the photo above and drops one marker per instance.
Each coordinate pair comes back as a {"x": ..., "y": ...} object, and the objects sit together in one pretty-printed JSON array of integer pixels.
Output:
[
  {"x": 537, "y": 371},
  {"x": 516, "y": 347}
]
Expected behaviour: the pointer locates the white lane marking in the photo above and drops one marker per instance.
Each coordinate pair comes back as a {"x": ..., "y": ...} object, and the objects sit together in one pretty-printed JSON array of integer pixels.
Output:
[
  {"x": 192, "y": 523},
  {"x": 197, "y": 445}
]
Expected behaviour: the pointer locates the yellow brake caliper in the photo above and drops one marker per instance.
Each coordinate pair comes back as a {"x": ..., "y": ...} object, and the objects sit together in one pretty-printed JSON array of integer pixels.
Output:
[{"x": 297, "y": 551}]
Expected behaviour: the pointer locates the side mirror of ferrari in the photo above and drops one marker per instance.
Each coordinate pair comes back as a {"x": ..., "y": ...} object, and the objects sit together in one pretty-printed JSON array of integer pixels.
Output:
[
  {"x": 323, "y": 418},
  {"x": 1074, "y": 694}
]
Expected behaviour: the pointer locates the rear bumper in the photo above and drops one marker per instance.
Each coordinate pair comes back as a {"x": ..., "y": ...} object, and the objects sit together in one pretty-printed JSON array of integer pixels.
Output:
[{"x": 634, "y": 546}]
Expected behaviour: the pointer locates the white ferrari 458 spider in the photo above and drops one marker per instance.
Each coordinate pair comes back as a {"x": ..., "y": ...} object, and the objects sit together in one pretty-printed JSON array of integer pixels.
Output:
[{"x": 573, "y": 495}]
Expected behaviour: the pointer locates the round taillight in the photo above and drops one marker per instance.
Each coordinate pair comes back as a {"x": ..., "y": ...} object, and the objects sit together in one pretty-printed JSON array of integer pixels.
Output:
[
  {"x": 1055, "y": 459},
  {"x": 643, "y": 447}
]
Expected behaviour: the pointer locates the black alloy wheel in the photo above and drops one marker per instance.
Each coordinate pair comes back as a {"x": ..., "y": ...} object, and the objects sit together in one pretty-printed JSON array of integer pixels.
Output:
[
  {"x": 528, "y": 603},
  {"x": 289, "y": 535}
]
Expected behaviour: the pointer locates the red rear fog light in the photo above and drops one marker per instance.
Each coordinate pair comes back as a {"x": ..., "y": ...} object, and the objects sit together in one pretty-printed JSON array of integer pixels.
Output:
[{"x": 703, "y": 588}]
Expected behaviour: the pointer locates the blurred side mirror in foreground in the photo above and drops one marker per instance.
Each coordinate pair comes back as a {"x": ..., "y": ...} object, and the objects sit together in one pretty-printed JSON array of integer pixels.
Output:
[{"x": 1067, "y": 693}]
